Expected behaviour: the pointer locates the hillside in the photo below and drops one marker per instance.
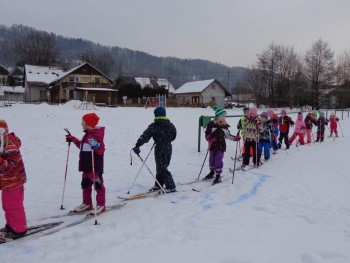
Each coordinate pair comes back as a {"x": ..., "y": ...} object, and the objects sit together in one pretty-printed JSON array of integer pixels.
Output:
[{"x": 126, "y": 62}]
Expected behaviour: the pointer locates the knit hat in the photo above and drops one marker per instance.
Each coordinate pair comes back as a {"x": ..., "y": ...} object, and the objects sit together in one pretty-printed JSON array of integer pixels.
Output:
[
  {"x": 219, "y": 112},
  {"x": 253, "y": 111},
  {"x": 91, "y": 119},
  {"x": 283, "y": 112},
  {"x": 159, "y": 112},
  {"x": 264, "y": 114},
  {"x": 4, "y": 129},
  {"x": 270, "y": 113},
  {"x": 300, "y": 116}
]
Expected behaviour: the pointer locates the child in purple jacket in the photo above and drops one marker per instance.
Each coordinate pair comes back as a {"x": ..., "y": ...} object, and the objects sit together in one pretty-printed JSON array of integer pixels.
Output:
[
  {"x": 216, "y": 133},
  {"x": 91, "y": 143}
]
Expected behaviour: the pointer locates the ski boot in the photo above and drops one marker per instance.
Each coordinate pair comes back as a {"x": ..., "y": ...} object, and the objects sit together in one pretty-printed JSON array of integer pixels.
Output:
[{"x": 209, "y": 176}]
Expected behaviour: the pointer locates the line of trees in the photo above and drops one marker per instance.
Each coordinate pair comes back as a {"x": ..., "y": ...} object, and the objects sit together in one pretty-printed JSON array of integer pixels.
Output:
[{"x": 281, "y": 77}]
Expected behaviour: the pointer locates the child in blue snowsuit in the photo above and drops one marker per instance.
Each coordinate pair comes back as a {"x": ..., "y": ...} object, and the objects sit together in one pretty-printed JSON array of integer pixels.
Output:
[{"x": 265, "y": 137}]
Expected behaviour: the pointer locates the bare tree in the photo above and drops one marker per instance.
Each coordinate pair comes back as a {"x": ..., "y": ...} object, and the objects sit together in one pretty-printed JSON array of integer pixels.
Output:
[
  {"x": 36, "y": 48},
  {"x": 102, "y": 61},
  {"x": 319, "y": 69},
  {"x": 343, "y": 68}
]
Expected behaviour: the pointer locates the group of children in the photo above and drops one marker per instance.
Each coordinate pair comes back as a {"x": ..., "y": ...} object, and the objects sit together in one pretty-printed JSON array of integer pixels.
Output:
[{"x": 259, "y": 133}]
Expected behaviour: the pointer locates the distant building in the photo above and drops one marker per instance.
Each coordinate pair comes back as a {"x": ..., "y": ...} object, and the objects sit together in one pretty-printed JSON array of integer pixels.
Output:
[
  {"x": 3, "y": 75},
  {"x": 11, "y": 94},
  {"x": 37, "y": 80},
  {"x": 16, "y": 76},
  {"x": 202, "y": 93},
  {"x": 146, "y": 82},
  {"x": 84, "y": 82}
]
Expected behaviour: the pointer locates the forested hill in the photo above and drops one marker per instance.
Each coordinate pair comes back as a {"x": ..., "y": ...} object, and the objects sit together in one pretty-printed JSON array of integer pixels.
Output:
[{"x": 123, "y": 61}]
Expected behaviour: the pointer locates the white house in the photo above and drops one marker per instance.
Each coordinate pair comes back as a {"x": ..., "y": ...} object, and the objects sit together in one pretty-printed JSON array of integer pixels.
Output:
[
  {"x": 37, "y": 80},
  {"x": 202, "y": 93}
]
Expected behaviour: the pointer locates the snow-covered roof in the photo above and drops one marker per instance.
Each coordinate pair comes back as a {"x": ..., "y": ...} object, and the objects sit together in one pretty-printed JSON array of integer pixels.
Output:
[
  {"x": 13, "y": 89},
  {"x": 161, "y": 82},
  {"x": 42, "y": 74},
  {"x": 194, "y": 86}
]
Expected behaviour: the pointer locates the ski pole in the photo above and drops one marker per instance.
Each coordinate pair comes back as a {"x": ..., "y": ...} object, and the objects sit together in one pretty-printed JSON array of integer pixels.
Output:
[
  {"x": 234, "y": 162},
  {"x": 206, "y": 155},
  {"x": 341, "y": 129},
  {"x": 65, "y": 174},
  {"x": 93, "y": 174},
  {"x": 161, "y": 187},
  {"x": 137, "y": 175}
]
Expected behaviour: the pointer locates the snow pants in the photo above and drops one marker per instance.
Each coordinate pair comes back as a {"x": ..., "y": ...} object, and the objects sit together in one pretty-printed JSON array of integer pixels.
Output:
[
  {"x": 162, "y": 156},
  {"x": 284, "y": 136},
  {"x": 12, "y": 204},
  {"x": 246, "y": 157},
  {"x": 308, "y": 135},
  {"x": 86, "y": 185},
  {"x": 266, "y": 147},
  {"x": 215, "y": 161},
  {"x": 297, "y": 134}
]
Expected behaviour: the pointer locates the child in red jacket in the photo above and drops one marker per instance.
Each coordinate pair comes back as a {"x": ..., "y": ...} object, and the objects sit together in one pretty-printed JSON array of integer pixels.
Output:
[
  {"x": 333, "y": 124},
  {"x": 91, "y": 143},
  {"x": 12, "y": 178},
  {"x": 285, "y": 122}
]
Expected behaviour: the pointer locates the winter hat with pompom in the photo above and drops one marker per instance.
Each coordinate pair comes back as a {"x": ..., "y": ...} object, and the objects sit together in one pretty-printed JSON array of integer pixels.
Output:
[
  {"x": 283, "y": 112},
  {"x": 264, "y": 115},
  {"x": 219, "y": 112},
  {"x": 270, "y": 113},
  {"x": 253, "y": 111},
  {"x": 91, "y": 119}
]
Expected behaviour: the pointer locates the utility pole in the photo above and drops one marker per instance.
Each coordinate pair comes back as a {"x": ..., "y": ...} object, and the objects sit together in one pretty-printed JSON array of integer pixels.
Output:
[{"x": 228, "y": 81}]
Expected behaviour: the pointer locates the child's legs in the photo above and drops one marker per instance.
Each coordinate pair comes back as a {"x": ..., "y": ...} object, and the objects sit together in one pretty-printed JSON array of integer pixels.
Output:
[
  {"x": 291, "y": 139},
  {"x": 86, "y": 185},
  {"x": 308, "y": 135},
  {"x": 212, "y": 160},
  {"x": 12, "y": 202},
  {"x": 246, "y": 155},
  {"x": 266, "y": 146},
  {"x": 254, "y": 146},
  {"x": 301, "y": 137},
  {"x": 219, "y": 156},
  {"x": 260, "y": 148},
  {"x": 274, "y": 144}
]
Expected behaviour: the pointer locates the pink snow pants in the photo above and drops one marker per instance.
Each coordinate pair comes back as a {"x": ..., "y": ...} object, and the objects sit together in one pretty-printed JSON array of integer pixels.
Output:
[
  {"x": 296, "y": 134},
  {"x": 12, "y": 204},
  {"x": 87, "y": 191},
  {"x": 308, "y": 135}
]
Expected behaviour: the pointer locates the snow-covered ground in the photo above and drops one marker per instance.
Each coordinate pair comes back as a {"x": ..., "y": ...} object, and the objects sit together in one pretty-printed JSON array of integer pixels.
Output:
[{"x": 295, "y": 208}]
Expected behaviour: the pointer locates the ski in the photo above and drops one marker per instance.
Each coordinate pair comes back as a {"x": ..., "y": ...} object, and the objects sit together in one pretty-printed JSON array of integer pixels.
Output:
[
  {"x": 30, "y": 231},
  {"x": 144, "y": 195},
  {"x": 70, "y": 213},
  {"x": 83, "y": 219}
]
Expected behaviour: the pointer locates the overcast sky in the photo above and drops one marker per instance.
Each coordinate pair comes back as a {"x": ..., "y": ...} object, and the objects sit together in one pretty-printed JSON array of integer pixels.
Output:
[{"x": 230, "y": 32}]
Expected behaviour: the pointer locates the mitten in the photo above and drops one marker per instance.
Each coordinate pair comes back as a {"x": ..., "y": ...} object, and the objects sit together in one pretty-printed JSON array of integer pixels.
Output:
[
  {"x": 136, "y": 150},
  {"x": 93, "y": 143},
  {"x": 210, "y": 139},
  {"x": 70, "y": 138}
]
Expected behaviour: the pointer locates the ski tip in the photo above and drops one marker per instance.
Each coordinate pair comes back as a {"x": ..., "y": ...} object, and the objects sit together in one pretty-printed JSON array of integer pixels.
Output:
[{"x": 195, "y": 189}]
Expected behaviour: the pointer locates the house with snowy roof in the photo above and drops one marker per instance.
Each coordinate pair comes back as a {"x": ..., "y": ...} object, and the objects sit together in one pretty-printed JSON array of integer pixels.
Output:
[
  {"x": 3, "y": 75},
  {"x": 84, "y": 82},
  {"x": 37, "y": 80},
  {"x": 153, "y": 82},
  {"x": 202, "y": 93},
  {"x": 10, "y": 94}
]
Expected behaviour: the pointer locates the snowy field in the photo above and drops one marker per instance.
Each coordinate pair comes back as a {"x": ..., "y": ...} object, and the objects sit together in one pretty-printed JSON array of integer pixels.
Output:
[{"x": 295, "y": 208}]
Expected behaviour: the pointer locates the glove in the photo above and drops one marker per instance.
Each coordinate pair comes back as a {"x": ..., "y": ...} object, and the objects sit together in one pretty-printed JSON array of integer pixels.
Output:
[
  {"x": 210, "y": 139},
  {"x": 136, "y": 150},
  {"x": 93, "y": 143},
  {"x": 237, "y": 138},
  {"x": 70, "y": 138}
]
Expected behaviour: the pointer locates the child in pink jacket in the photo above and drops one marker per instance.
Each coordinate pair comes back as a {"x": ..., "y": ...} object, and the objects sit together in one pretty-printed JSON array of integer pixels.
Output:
[
  {"x": 12, "y": 179},
  {"x": 333, "y": 124},
  {"x": 299, "y": 129}
]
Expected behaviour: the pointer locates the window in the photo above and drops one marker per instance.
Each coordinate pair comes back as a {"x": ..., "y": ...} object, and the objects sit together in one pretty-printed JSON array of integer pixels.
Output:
[
  {"x": 42, "y": 94},
  {"x": 71, "y": 79},
  {"x": 97, "y": 80},
  {"x": 213, "y": 86}
]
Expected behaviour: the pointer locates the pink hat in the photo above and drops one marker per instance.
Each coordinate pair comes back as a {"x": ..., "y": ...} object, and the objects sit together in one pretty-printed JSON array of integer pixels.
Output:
[
  {"x": 253, "y": 111},
  {"x": 91, "y": 119},
  {"x": 283, "y": 112},
  {"x": 270, "y": 113}
]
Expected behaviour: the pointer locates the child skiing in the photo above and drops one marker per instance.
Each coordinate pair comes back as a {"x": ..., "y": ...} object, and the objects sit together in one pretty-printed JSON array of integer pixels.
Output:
[
  {"x": 241, "y": 127},
  {"x": 264, "y": 137},
  {"x": 252, "y": 127},
  {"x": 320, "y": 123},
  {"x": 216, "y": 133},
  {"x": 309, "y": 120},
  {"x": 12, "y": 179},
  {"x": 91, "y": 144},
  {"x": 163, "y": 133},
  {"x": 275, "y": 123},
  {"x": 299, "y": 129},
  {"x": 333, "y": 124},
  {"x": 285, "y": 122}
]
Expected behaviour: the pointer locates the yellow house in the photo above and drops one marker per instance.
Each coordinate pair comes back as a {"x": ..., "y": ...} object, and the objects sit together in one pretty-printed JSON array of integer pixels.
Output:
[{"x": 84, "y": 82}]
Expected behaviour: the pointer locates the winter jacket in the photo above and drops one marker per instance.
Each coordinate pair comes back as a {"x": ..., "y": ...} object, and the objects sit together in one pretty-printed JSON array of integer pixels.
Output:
[
  {"x": 241, "y": 125},
  {"x": 252, "y": 126},
  {"x": 85, "y": 156},
  {"x": 12, "y": 171},
  {"x": 285, "y": 122},
  {"x": 163, "y": 133},
  {"x": 299, "y": 124},
  {"x": 266, "y": 132},
  {"x": 309, "y": 121},
  {"x": 320, "y": 123},
  {"x": 216, "y": 135},
  {"x": 275, "y": 122},
  {"x": 333, "y": 122}
]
